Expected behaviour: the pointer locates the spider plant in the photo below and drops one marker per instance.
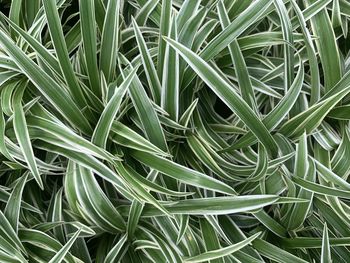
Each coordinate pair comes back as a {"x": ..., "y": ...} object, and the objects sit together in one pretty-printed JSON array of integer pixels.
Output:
[{"x": 174, "y": 131}]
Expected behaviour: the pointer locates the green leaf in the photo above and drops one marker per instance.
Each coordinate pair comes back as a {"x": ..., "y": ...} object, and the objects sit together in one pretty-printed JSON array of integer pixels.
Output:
[
  {"x": 13, "y": 205},
  {"x": 37, "y": 46},
  {"x": 170, "y": 90},
  {"x": 46, "y": 85},
  {"x": 145, "y": 12},
  {"x": 164, "y": 30},
  {"x": 326, "y": 249},
  {"x": 8, "y": 235},
  {"x": 327, "y": 47},
  {"x": 59, "y": 43},
  {"x": 59, "y": 130},
  {"x": 279, "y": 112},
  {"x": 287, "y": 49},
  {"x": 59, "y": 257},
  {"x": 325, "y": 190},
  {"x": 42, "y": 241},
  {"x": 88, "y": 30},
  {"x": 148, "y": 66},
  {"x": 117, "y": 251},
  {"x": 275, "y": 253},
  {"x": 215, "y": 205},
  {"x": 15, "y": 11},
  {"x": 110, "y": 40},
  {"x": 240, "y": 66},
  {"x": 105, "y": 122},
  {"x": 22, "y": 135},
  {"x": 147, "y": 115},
  {"x": 228, "y": 95},
  {"x": 223, "y": 251},
  {"x": 123, "y": 135},
  {"x": 182, "y": 173}
]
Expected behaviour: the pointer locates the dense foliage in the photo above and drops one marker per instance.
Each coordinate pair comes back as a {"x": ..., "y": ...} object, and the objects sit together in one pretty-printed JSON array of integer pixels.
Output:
[{"x": 174, "y": 131}]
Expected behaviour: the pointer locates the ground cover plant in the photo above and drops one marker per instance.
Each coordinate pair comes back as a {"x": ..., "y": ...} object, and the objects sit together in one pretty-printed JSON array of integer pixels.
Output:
[{"x": 174, "y": 131}]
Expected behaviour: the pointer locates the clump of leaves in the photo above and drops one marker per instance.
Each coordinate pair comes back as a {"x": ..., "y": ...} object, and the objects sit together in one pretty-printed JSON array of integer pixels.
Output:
[{"x": 174, "y": 131}]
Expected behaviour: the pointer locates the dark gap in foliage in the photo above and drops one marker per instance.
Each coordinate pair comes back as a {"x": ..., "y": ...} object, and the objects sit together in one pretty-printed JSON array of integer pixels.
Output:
[
  {"x": 221, "y": 109},
  {"x": 5, "y": 7},
  {"x": 73, "y": 8}
]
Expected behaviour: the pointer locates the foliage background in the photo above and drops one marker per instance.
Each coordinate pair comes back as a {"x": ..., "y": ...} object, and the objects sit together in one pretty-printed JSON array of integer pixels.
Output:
[{"x": 174, "y": 131}]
